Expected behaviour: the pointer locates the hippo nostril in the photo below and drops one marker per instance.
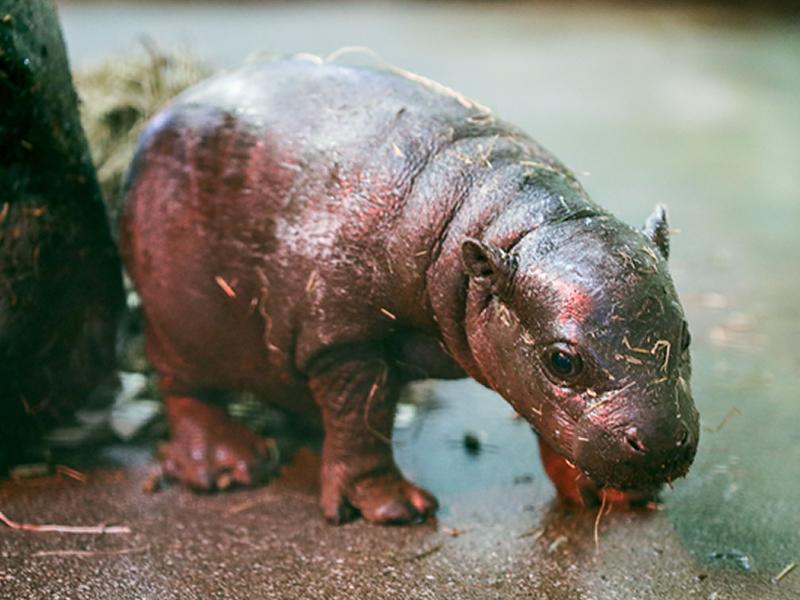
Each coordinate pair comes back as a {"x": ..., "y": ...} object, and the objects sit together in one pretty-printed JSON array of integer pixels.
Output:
[
  {"x": 633, "y": 441},
  {"x": 683, "y": 437}
]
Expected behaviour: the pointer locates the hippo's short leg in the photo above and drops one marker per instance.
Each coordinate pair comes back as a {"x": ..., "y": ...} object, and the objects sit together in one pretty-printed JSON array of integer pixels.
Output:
[
  {"x": 357, "y": 397},
  {"x": 574, "y": 487},
  {"x": 208, "y": 450}
]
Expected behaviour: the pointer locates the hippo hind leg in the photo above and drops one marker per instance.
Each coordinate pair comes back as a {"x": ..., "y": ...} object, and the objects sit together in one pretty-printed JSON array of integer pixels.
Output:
[{"x": 207, "y": 449}]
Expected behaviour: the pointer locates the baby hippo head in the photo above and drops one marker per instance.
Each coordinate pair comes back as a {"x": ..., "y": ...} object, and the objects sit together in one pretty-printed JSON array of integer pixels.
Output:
[{"x": 579, "y": 327}]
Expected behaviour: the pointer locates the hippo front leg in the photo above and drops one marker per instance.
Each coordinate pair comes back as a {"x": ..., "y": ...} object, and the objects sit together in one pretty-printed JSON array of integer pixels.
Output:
[{"x": 357, "y": 397}]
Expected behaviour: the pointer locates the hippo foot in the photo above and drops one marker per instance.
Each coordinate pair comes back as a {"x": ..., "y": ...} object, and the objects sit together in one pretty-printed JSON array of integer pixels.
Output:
[
  {"x": 209, "y": 451},
  {"x": 386, "y": 499}
]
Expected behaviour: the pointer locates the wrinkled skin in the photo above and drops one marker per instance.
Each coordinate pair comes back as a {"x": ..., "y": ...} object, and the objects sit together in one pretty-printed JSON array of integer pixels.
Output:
[
  {"x": 323, "y": 234},
  {"x": 60, "y": 276}
]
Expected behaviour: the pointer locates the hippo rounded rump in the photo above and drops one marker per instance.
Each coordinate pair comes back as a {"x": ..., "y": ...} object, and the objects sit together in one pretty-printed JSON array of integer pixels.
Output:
[{"x": 323, "y": 234}]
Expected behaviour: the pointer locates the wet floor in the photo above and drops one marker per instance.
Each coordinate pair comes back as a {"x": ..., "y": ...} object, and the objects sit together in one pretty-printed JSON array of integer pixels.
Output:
[{"x": 699, "y": 112}]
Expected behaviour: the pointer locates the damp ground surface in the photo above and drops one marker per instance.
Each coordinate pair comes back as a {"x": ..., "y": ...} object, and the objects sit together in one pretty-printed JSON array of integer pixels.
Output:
[{"x": 698, "y": 111}]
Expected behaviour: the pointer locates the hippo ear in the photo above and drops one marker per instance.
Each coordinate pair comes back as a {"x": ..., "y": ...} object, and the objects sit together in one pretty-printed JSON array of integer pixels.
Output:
[
  {"x": 656, "y": 229},
  {"x": 487, "y": 263}
]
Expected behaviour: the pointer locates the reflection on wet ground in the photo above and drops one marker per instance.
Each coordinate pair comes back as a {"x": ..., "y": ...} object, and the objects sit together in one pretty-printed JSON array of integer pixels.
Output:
[{"x": 649, "y": 107}]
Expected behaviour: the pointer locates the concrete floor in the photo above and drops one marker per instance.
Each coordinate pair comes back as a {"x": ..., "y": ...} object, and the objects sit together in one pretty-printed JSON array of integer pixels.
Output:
[{"x": 700, "y": 112}]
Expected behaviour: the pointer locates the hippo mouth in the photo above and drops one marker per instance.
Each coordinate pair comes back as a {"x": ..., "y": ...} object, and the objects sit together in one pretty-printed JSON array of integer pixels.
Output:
[
  {"x": 622, "y": 456},
  {"x": 638, "y": 474}
]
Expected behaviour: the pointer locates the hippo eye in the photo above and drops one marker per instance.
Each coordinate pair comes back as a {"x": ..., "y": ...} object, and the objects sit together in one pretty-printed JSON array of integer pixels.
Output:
[
  {"x": 686, "y": 338},
  {"x": 562, "y": 362}
]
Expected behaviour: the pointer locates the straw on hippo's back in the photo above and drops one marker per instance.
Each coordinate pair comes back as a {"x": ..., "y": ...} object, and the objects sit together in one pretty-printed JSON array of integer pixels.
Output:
[{"x": 322, "y": 234}]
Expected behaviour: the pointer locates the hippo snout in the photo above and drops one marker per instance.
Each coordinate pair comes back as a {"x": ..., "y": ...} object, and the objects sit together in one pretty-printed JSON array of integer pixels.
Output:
[{"x": 637, "y": 453}]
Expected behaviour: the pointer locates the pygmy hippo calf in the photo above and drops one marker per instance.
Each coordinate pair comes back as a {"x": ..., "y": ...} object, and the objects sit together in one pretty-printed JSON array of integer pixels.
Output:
[{"x": 322, "y": 234}]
